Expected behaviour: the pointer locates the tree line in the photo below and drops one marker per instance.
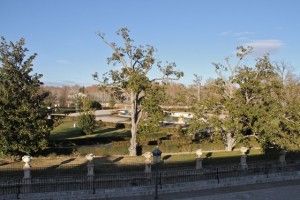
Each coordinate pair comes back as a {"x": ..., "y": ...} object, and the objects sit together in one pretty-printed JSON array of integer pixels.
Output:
[{"x": 260, "y": 101}]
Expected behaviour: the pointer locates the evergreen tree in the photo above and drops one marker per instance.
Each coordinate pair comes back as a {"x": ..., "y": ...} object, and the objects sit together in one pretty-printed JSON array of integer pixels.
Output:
[{"x": 24, "y": 126}]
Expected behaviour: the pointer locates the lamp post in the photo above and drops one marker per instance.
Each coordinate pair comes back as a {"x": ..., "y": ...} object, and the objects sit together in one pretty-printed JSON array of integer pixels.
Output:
[{"x": 156, "y": 160}]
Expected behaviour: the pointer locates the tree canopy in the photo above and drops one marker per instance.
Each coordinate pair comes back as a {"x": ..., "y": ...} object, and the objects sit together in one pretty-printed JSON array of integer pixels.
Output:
[
  {"x": 24, "y": 126},
  {"x": 132, "y": 78},
  {"x": 250, "y": 101}
]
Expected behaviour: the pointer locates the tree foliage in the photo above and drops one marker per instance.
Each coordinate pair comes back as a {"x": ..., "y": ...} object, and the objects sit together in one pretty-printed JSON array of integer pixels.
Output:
[
  {"x": 153, "y": 113},
  {"x": 87, "y": 123},
  {"x": 247, "y": 101},
  {"x": 23, "y": 113},
  {"x": 132, "y": 75}
]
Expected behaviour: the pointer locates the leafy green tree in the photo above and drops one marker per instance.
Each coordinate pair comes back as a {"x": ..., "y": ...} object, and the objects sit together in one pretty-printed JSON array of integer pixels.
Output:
[
  {"x": 87, "y": 122},
  {"x": 90, "y": 105},
  {"x": 198, "y": 83},
  {"x": 132, "y": 77},
  {"x": 95, "y": 105},
  {"x": 221, "y": 110},
  {"x": 153, "y": 113},
  {"x": 87, "y": 104},
  {"x": 277, "y": 108},
  {"x": 87, "y": 119},
  {"x": 23, "y": 113},
  {"x": 112, "y": 101},
  {"x": 250, "y": 102}
]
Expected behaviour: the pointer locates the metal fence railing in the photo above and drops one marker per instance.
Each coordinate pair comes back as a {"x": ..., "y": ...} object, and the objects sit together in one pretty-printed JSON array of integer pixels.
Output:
[{"x": 74, "y": 177}]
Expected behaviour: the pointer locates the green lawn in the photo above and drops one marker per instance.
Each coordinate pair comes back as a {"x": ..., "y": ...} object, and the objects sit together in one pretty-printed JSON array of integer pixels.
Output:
[
  {"x": 108, "y": 140},
  {"x": 66, "y": 131}
]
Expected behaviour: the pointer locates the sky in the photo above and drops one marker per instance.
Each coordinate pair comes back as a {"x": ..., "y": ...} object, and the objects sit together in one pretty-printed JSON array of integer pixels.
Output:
[{"x": 192, "y": 33}]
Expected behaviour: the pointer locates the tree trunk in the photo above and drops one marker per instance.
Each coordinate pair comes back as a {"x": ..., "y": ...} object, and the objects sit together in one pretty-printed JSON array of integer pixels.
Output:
[
  {"x": 230, "y": 142},
  {"x": 134, "y": 124}
]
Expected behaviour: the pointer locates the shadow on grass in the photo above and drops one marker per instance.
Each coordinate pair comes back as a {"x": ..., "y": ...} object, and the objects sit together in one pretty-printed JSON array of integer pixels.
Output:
[
  {"x": 107, "y": 165},
  {"x": 166, "y": 157},
  {"x": 65, "y": 134},
  {"x": 100, "y": 136}
]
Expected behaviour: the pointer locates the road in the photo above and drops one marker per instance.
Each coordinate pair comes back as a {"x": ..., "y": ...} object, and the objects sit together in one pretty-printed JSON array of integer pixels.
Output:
[
  {"x": 106, "y": 116},
  {"x": 287, "y": 190}
]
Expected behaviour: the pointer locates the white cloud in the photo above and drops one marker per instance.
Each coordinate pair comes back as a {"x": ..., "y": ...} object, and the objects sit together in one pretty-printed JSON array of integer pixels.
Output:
[
  {"x": 261, "y": 47},
  {"x": 236, "y": 34},
  {"x": 63, "y": 61},
  {"x": 225, "y": 33}
]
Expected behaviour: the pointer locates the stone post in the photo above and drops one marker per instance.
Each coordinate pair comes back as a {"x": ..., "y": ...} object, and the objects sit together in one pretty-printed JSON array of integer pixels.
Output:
[
  {"x": 199, "y": 159},
  {"x": 27, "y": 173},
  {"x": 148, "y": 156},
  {"x": 282, "y": 160},
  {"x": 90, "y": 170},
  {"x": 244, "y": 165}
]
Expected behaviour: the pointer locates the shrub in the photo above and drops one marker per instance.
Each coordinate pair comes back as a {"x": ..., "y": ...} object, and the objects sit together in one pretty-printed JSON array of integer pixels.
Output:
[
  {"x": 95, "y": 105},
  {"x": 87, "y": 123},
  {"x": 119, "y": 125}
]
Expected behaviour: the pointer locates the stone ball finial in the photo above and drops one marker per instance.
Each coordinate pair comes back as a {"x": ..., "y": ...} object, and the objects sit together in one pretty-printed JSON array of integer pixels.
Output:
[
  {"x": 90, "y": 157},
  {"x": 244, "y": 150},
  {"x": 199, "y": 153},
  {"x": 26, "y": 159},
  {"x": 147, "y": 155}
]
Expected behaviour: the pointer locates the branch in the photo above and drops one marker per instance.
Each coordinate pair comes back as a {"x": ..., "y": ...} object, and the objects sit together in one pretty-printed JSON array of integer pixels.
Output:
[
  {"x": 139, "y": 115},
  {"x": 141, "y": 95},
  {"x": 163, "y": 79},
  {"x": 108, "y": 85},
  {"x": 113, "y": 47}
]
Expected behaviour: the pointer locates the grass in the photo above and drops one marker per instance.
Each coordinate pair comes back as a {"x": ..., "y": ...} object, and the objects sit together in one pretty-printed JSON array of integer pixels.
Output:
[
  {"x": 109, "y": 140},
  {"x": 127, "y": 163},
  {"x": 208, "y": 155},
  {"x": 66, "y": 131}
]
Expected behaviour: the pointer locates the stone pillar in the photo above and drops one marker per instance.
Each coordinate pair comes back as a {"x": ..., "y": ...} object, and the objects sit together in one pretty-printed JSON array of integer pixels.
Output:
[
  {"x": 244, "y": 165},
  {"x": 148, "y": 156},
  {"x": 282, "y": 160},
  {"x": 27, "y": 174},
  {"x": 199, "y": 163},
  {"x": 199, "y": 159},
  {"x": 90, "y": 170}
]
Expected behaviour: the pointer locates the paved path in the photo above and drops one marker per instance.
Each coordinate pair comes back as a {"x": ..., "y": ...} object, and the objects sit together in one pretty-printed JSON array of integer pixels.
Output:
[
  {"x": 291, "y": 192},
  {"x": 287, "y": 190},
  {"x": 106, "y": 116}
]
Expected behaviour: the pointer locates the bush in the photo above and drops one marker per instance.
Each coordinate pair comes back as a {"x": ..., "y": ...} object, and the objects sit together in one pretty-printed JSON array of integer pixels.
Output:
[
  {"x": 114, "y": 125},
  {"x": 119, "y": 125},
  {"x": 95, "y": 105},
  {"x": 87, "y": 123}
]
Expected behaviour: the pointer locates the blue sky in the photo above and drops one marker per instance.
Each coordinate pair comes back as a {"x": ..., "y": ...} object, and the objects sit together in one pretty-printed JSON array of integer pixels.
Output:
[{"x": 192, "y": 33}]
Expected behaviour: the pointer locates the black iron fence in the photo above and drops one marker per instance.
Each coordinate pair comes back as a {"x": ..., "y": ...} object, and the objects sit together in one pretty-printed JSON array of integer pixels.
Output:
[{"x": 74, "y": 177}]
